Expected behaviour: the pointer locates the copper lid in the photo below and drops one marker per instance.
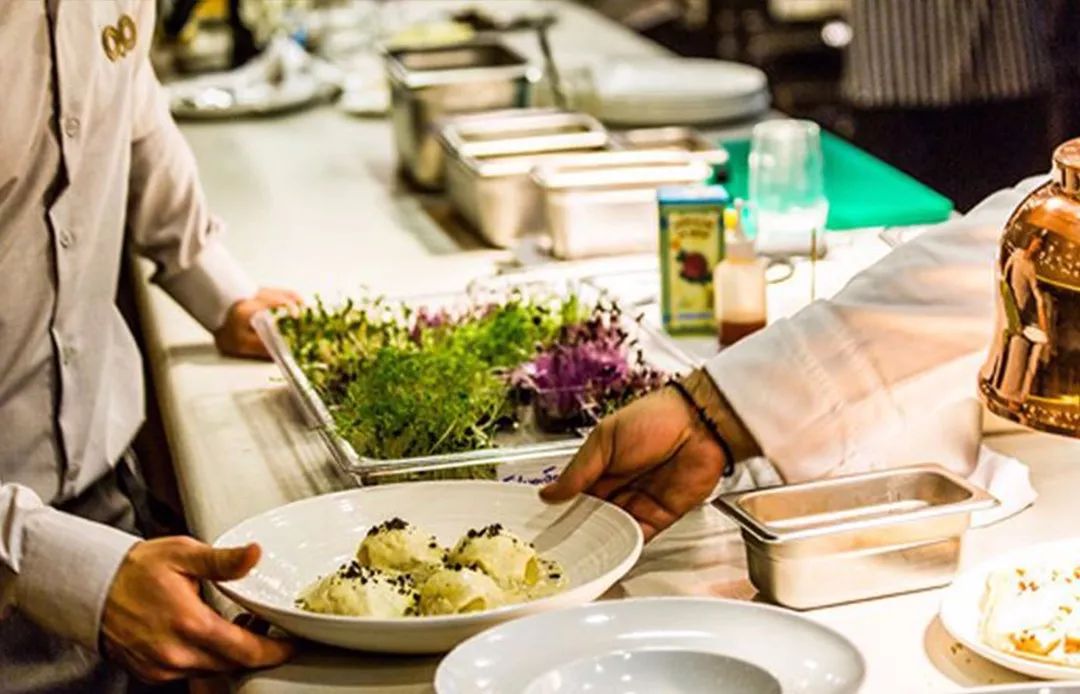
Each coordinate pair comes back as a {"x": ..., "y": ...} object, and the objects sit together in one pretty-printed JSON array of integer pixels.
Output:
[{"x": 1067, "y": 166}]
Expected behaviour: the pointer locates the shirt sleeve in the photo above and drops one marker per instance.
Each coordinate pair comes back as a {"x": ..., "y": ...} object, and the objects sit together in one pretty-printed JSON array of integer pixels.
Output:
[
  {"x": 822, "y": 391},
  {"x": 168, "y": 217},
  {"x": 56, "y": 568}
]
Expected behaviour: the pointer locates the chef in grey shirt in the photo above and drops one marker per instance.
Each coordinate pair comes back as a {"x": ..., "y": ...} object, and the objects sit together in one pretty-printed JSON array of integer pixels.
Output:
[{"x": 92, "y": 164}]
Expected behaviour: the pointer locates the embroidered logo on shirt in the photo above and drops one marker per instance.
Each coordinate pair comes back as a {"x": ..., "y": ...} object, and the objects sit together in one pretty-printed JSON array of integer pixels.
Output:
[{"x": 119, "y": 40}]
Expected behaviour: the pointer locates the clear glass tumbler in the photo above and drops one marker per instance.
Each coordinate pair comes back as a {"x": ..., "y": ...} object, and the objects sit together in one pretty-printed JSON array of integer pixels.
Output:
[{"x": 787, "y": 187}]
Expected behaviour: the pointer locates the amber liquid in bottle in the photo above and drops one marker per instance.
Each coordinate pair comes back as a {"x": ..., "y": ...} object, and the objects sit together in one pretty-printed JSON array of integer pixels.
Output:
[{"x": 732, "y": 331}]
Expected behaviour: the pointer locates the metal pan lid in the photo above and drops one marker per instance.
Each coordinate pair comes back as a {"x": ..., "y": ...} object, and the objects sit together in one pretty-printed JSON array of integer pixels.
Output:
[{"x": 853, "y": 502}]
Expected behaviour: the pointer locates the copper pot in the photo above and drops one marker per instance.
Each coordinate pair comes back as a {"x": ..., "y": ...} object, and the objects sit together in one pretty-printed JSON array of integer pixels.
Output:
[{"x": 1032, "y": 375}]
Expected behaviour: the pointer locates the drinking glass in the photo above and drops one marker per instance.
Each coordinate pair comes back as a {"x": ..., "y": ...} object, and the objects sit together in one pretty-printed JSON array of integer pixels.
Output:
[
  {"x": 787, "y": 185},
  {"x": 787, "y": 190}
]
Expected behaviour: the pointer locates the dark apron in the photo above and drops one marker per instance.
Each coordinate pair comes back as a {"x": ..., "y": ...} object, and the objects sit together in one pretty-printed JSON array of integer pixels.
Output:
[{"x": 34, "y": 660}]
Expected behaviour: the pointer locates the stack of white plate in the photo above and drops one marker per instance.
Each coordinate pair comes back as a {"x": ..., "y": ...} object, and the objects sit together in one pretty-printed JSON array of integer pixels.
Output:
[{"x": 672, "y": 91}]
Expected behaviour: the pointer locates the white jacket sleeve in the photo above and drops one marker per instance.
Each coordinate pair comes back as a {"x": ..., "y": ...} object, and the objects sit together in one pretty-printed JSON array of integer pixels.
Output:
[
  {"x": 822, "y": 391},
  {"x": 56, "y": 568}
]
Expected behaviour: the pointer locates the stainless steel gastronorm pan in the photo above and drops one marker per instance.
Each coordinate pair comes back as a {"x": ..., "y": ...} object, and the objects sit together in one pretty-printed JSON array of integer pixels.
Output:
[
  {"x": 605, "y": 203},
  {"x": 675, "y": 138},
  {"x": 430, "y": 84},
  {"x": 489, "y": 161},
  {"x": 855, "y": 537}
]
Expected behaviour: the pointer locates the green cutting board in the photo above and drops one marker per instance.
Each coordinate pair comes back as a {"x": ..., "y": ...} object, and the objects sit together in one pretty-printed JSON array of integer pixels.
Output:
[{"x": 863, "y": 191}]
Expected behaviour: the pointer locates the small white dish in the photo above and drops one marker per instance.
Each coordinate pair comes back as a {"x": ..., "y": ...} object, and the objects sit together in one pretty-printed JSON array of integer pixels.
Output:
[
  {"x": 595, "y": 542},
  {"x": 961, "y": 613},
  {"x": 656, "y": 645}
]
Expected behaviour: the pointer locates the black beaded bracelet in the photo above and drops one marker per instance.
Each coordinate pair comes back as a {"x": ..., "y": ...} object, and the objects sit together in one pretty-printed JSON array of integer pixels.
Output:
[{"x": 729, "y": 457}]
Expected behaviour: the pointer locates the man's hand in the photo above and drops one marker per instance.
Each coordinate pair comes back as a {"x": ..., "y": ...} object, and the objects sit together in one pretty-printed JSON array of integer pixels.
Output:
[
  {"x": 653, "y": 458},
  {"x": 236, "y": 337},
  {"x": 156, "y": 625}
]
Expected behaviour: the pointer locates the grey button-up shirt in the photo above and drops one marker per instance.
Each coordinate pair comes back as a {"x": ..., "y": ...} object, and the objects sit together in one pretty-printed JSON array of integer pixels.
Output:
[{"x": 90, "y": 163}]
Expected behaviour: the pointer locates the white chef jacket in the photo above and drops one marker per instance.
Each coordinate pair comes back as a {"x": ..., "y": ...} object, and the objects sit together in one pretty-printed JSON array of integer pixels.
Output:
[
  {"x": 90, "y": 162},
  {"x": 835, "y": 387}
]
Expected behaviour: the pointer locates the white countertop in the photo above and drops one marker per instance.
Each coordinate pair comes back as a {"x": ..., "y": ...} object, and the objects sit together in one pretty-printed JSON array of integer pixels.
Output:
[{"x": 313, "y": 204}]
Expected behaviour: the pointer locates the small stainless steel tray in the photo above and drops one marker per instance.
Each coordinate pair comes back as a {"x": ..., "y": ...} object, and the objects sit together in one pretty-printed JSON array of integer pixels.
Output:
[
  {"x": 605, "y": 203},
  {"x": 429, "y": 84},
  {"x": 675, "y": 138},
  {"x": 523, "y": 131},
  {"x": 855, "y": 537},
  {"x": 489, "y": 161},
  {"x": 524, "y": 455}
]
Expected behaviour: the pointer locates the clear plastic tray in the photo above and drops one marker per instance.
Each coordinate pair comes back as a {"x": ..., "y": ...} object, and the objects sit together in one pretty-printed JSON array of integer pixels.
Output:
[{"x": 523, "y": 455}]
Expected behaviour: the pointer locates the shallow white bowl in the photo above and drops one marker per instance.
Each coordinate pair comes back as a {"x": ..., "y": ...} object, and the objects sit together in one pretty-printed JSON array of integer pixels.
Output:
[
  {"x": 659, "y": 646},
  {"x": 961, "y": 613},
  {"x": 595, "y": 542}
]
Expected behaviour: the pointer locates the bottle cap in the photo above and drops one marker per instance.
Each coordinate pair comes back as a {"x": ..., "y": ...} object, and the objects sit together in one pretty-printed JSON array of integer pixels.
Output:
[{"x": 731, "y": 219}]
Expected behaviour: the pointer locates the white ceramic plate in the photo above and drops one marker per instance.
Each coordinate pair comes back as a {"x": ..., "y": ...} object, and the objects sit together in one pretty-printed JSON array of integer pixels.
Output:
[
  {"x": 675, "y": 91},
  {"x": 595, "y": 542},
  {"x": 961, "y": 615},
  {"x": 659, "y": 646}
]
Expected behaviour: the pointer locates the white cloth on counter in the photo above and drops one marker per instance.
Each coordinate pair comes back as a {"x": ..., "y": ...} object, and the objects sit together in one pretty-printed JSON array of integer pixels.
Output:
[{"x": 1008, "y": 480}]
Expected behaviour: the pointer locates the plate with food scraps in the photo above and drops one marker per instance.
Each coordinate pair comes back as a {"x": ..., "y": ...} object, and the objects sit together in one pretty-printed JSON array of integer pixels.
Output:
[
  {"x": 419, "y": 567},
  {"x": 656, "y": 645},
  {"x": 1021, "y": 610}
]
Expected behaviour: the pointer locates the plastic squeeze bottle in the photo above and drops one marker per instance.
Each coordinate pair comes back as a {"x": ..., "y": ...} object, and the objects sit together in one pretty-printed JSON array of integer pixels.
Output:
[{"x": 738, "y": 283}]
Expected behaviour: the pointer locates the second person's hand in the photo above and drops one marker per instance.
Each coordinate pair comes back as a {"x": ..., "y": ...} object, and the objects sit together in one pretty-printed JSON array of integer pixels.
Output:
[
  {"x": 236, "y": 337},
  {"x": 653, "y": 458},
  {"x": 156, "y": 625}
]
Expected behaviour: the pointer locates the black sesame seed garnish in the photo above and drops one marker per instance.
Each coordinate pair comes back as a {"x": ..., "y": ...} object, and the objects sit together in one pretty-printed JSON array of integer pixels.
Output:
[{"x": 392, "y": 524}]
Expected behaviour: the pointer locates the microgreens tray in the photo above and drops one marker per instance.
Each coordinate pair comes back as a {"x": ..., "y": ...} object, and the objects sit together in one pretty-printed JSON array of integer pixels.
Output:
[{"x": 528, "y": 448}]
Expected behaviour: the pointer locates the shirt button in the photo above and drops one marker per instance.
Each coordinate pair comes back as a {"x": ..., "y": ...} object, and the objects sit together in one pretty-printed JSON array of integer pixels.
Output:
[
  {"x": 66, "y": 238},
  {"x": 72, "y": 472},
  {"x": 67, "y": 355},
  {"x": 71, "y": 126}
]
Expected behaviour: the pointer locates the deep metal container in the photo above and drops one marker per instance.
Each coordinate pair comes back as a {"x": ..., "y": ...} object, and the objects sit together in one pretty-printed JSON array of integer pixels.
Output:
[
  {"x": 488, "y": 162},
  {"x": 855, "y": 537},
  {"x": 430, "y": 84},
  {"x": 605, "y": 203},
  {"x": 678, "y": 139}
]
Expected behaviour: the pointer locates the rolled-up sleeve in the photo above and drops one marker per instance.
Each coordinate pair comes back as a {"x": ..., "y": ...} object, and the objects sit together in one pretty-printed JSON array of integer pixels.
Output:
[
  {"x": 168, "y": 217},
  {"x": 822, "y": 391},
  {"x": 56, "y": 568}
]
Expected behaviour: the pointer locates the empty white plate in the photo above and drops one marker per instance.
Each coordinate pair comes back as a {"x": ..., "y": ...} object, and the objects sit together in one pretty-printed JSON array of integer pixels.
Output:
[
  {"x": 595, "y": 542},
  {"x": 656, "y": 646}
]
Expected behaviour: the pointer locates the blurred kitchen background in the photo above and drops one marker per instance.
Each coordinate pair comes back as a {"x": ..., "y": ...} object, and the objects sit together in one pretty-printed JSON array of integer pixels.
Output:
[{"x": 820, "y": 56}]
